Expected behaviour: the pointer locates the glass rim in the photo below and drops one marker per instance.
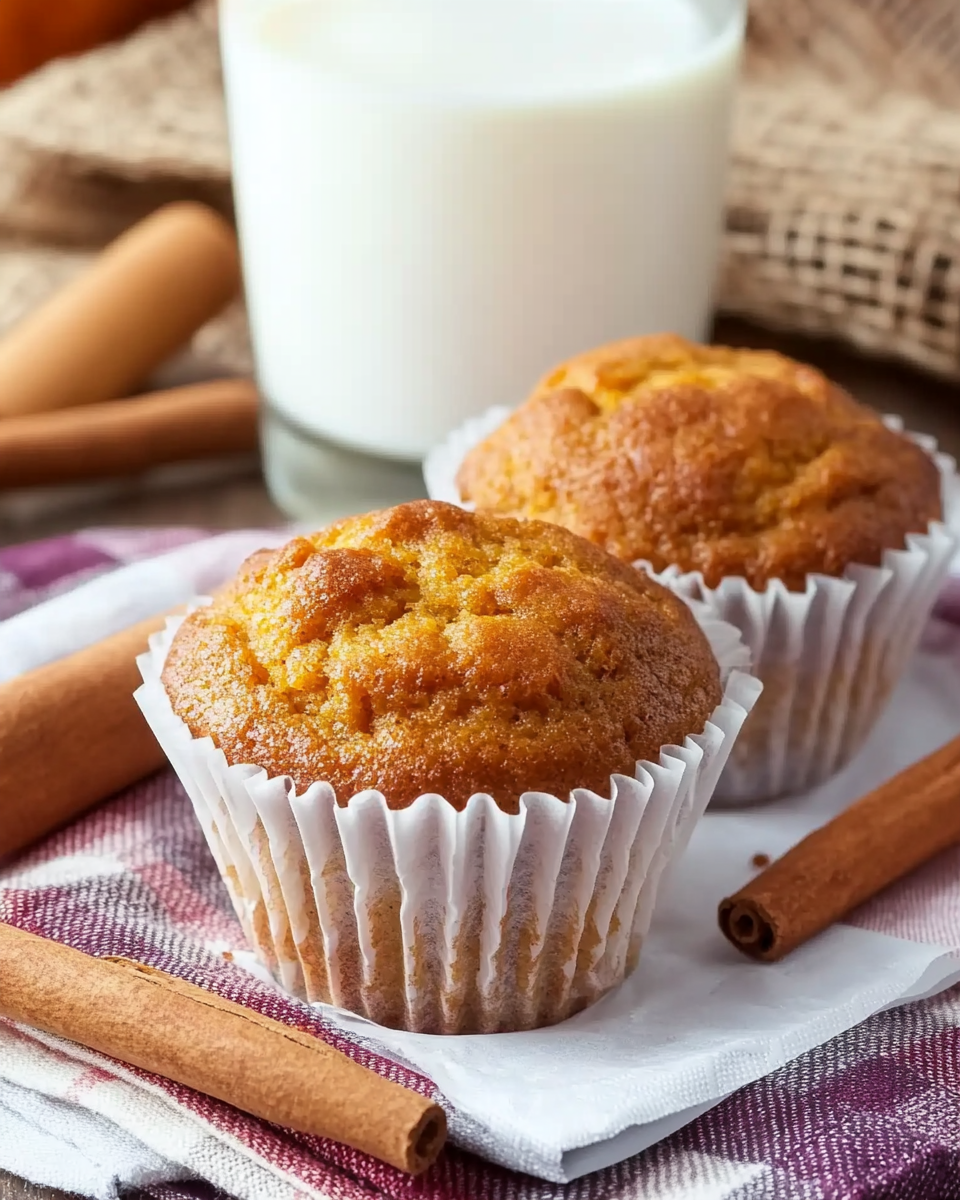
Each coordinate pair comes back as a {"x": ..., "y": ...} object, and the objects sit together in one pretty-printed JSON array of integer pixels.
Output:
[{"x": 726, "y": 37}]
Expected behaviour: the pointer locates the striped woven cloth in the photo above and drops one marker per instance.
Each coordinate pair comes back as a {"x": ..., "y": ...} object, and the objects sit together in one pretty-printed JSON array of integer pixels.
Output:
[{"x": 873, "y": 1114}]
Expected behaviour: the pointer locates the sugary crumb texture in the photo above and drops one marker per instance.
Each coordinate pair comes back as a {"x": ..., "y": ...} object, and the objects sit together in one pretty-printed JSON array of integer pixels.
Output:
[
  {"x": 725, "y": 461},
  {"x": 426, "y": 649}
]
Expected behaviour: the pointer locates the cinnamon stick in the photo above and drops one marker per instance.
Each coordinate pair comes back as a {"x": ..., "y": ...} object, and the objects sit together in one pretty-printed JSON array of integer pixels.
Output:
[
  {"x": 885, "y": 835},
  {"x": 71, "y": 734},
  {"x": 161, "y": 1024},
  {"x": 104, "y": 333},
  {"x": 117, "y": 438}
]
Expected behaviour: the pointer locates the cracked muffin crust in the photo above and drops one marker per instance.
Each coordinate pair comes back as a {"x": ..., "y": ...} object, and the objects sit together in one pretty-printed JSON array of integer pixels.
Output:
[
  {"x": 711, "y": 459},
  {"x": 428, "y": 649}
]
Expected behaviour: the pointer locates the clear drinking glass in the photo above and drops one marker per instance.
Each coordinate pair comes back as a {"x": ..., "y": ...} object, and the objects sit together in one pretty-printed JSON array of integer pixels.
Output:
[{"x": 440, "y": 199}]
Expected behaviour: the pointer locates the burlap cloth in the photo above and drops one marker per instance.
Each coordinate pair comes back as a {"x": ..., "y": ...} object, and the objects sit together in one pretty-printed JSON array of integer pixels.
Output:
[{"x": 844, "y": 195}]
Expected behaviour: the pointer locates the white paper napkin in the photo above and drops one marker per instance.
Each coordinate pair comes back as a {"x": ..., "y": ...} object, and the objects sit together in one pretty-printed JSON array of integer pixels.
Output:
[{"x": 698, "y": 1020}]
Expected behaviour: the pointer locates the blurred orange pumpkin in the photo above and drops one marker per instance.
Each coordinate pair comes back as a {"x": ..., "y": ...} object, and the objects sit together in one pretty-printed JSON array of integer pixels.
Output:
[{"x": 34, "y": 31}]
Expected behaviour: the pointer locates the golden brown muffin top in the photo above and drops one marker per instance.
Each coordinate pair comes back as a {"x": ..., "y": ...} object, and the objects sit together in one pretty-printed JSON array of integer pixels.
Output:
[
  {"x": 426, "y": 649},
  {"x": 729, "y": 462}
]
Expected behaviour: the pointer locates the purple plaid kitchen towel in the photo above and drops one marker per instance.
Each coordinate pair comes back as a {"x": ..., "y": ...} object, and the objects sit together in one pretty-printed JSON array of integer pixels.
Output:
[
  {"x": 37, "y": 571},
  {"x": 872, "y": 1115}
]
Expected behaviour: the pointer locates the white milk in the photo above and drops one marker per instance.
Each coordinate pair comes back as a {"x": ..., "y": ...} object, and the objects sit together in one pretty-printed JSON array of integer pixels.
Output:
[{"x": 440, "y": 199}]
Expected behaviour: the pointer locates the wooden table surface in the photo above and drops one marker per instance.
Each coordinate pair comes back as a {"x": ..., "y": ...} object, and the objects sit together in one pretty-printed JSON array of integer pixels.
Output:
[{"x": 927, "y": 405}]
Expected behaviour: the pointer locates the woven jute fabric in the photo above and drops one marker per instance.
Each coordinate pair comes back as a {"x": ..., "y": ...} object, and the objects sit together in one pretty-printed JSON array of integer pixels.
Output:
[{"x": 843, "y": 214}]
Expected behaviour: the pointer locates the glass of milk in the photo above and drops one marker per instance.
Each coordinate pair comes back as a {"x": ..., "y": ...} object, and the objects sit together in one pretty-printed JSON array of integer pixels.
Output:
[{"x": 439, "y": 200}]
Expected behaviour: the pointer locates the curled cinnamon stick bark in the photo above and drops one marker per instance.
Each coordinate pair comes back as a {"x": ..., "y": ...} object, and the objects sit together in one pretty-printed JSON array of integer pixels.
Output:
[
  {"x": 125, "y": 437},
  {"x": 71, "y": 734},
  {"x": 104, "y": 333},
  {"x": 161, "y": 1024},
  {"x": 870, "y": 845}
]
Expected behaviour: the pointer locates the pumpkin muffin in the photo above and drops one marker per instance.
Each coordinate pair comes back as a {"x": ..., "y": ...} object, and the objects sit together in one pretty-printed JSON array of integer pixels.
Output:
[
  {"x": 752, "y": 482},
  {"x": 426, "y": 649},
  {"x": 727, "y": 462},
  {"x": 442, "y": 760}
]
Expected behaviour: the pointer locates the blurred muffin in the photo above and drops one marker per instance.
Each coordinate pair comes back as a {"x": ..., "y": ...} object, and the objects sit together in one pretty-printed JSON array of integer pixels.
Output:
[
  {"x": 704, "y": 458},
  {"x": 414, "y": 741},
  {"x": 750, "y": 481}
]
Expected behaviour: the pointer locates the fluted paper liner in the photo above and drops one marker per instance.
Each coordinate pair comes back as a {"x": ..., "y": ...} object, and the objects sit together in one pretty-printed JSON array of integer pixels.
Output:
[
  {"x": 829, "y": 657},
  {"x": 441, "y": 921}
]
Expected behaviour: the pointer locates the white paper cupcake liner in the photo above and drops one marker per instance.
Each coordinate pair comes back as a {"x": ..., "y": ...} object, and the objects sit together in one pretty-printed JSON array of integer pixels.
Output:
[
  {"x": 829, "y": 657},
  {"x": 441, "y": 921}
]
